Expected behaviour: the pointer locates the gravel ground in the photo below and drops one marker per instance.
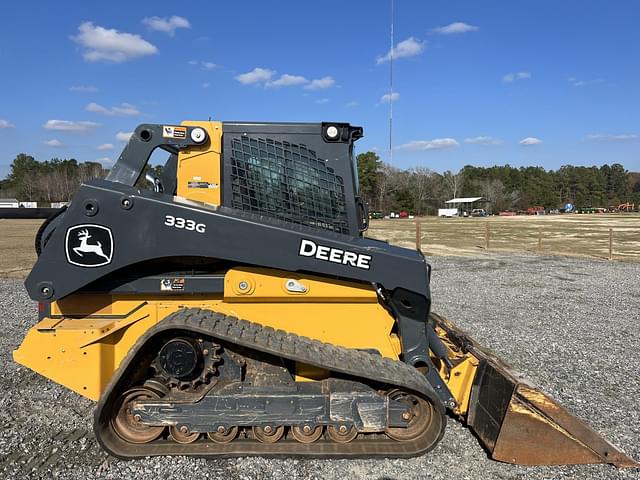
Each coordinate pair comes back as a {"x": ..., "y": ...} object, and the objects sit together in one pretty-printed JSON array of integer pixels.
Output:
[{"x": 570, "y": 325}]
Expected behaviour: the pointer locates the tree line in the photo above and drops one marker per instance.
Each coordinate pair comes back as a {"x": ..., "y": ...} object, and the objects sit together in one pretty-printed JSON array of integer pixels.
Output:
[
  {"x": 54, "y": 180},
  {"x": 384, "y": 187},
  {"x": 422, "y": 191}
]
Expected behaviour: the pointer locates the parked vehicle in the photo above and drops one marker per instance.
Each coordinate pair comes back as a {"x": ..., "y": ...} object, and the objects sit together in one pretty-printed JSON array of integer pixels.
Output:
[
  {"x": 478, "y": 212},
  {"x": 447, "y": 212},
  {"x": 538, "y": 210}
]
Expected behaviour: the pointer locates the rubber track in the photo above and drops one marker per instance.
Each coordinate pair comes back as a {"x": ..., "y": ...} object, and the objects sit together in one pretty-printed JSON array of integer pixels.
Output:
[{"x": 355, "y": 363}]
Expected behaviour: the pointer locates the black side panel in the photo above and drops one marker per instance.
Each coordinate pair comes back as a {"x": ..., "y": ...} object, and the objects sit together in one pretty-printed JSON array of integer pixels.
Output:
[{"x": 141, "y": 232}]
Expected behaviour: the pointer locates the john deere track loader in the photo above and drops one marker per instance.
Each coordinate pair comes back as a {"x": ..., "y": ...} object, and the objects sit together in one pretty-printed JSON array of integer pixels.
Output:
[{"x": 235, "y": 308}]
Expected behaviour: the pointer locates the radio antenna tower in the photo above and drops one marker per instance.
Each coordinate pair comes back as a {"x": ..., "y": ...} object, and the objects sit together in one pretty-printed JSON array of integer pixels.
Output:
[{"x": 391, "y": 92}]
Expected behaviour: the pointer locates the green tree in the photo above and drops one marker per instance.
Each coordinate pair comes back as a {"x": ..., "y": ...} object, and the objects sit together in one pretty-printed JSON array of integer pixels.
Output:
[
  {"x": 23, "y": 175},
  {"x": 368, "y": 174},
  {"x": 53, "y": 180}
]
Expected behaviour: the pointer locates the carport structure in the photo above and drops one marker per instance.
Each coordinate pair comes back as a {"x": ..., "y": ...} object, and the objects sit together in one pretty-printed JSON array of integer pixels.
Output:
[{"x": 466, "y": 204}]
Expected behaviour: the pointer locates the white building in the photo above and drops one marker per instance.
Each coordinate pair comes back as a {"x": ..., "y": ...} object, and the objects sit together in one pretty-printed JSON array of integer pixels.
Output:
[{"x": 9, "y": 203}]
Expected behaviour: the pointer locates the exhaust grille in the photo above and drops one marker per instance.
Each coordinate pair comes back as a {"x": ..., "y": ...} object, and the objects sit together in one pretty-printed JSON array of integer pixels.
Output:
[{"x": 286, "y": 181}]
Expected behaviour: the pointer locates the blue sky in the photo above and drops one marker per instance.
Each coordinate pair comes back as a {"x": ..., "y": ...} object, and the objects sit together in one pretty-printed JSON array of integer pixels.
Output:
[{"x": 526, "y": 83}]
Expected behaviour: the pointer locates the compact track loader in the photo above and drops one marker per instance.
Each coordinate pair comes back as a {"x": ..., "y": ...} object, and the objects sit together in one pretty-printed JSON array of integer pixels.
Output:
[{"x": 235, "y": 307}]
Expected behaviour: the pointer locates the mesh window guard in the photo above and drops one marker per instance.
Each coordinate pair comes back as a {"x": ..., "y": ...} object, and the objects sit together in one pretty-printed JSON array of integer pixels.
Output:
[{"x": 288, "y": 182}]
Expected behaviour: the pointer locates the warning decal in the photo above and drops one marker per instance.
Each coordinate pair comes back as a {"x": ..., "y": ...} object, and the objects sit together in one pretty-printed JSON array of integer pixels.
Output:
[
  {"x": 192, "y": 184},
  {"x": 174, "y": 132}
]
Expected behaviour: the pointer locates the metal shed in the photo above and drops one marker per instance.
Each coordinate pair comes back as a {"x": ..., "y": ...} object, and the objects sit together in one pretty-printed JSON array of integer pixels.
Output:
[{"x": 466, "y": 204}]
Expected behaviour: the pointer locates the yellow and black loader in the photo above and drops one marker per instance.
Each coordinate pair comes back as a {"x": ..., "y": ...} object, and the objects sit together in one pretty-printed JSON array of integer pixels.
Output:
[{"x": 233, "y": 306}]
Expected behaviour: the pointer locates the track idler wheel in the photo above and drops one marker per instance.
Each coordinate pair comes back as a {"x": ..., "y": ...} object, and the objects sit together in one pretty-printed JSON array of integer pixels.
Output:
[
  {"x": 419, "y": 415},
  {"x": 306, "y": 433},
  {"x": 342, "y": 433},
  {"x": 127, "y": 425},
  {"x": 223, "y": 434},
  {"x": 268, "y": 433},
  {"x": 182, "y": 434}
]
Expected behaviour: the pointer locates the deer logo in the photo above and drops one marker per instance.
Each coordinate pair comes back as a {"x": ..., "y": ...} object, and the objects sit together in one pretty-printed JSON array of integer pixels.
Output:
[
  {"x": 84, "y": 247},
  {"x": 84, "y": 252}
]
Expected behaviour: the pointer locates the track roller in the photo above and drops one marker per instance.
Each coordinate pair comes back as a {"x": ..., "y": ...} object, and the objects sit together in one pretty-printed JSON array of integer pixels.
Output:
[
  {"x": 268, "y": 433},
  {"x": 223, "y": 434},
  {"x": 342, "y": 433},
  {"x": 182, "y": 434},
  {"x": 306, "y": 433}
]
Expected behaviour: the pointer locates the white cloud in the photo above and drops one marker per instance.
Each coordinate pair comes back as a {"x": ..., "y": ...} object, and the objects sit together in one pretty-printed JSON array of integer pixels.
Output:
[
  {"x": 166, "y": 24},
  {"x": 205, "y": 85},
  {"x": 110, "y": 45},
  {"x": 204, "y": 65},
  {"x": 70, "y": 126},
  {"x": 390, "y": 97},
  {"x": 105, "y": 147},
  {"x": 83, "y": 88},
  {"x": 483, "y": 141},
  {"x": 266, "y": 78},
  {"x": 125, "y": 109},
  {"x": 511, "y": 77},
  {"x": 287, "y": 80},
  {"x": 529, "y": 141},
  {"x": 435, "y": 144},
  {"x": 321, "y": 83},
  {"x": 94, "y": 107},
  {"x": 123, "y": 136},
  {"x": 599, "y": 137},
  {"x": 406, "y": 48},
  {"x": 583, "y": 83},
  {"x": 257, "y": 75},
  {"x": 322, "y": 101},
  {"x": 55, "y": 143},
  {"x": 456, "y": 27},
  {"x": 122, "y": 110},
  {"x": 352, "y": 103},
  {"x": 6, "y": 124}
]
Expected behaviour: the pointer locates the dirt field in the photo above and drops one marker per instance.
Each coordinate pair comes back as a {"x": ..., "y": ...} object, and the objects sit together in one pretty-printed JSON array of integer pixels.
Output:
[
  {"x": 17, "y": 253},
  {"x": 572, "y": 235}
]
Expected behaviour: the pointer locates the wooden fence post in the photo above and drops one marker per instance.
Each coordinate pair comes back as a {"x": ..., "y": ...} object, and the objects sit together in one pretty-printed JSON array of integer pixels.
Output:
[
  {"x": 540, "y": 240},
  {"x": 487, "y": 236},
  {"x": 418, "y": 236},
  {"x": 611, "y": 244}
]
